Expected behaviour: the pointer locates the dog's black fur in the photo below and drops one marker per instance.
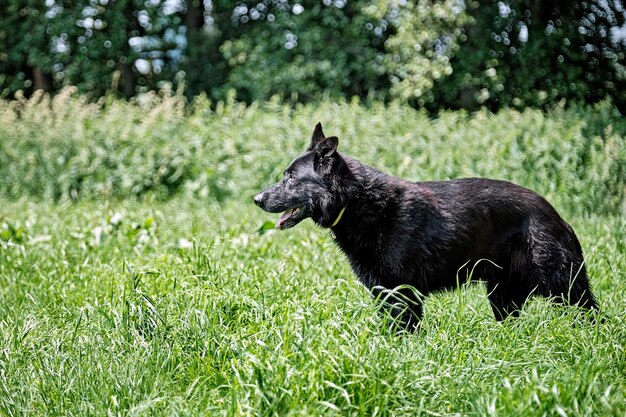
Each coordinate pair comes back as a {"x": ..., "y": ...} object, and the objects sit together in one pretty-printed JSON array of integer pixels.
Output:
[{"x": 428, "y": 236}]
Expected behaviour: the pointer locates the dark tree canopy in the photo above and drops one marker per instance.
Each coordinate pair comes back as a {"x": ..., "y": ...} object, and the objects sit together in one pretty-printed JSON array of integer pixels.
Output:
[{"x": 445, "y": 54}]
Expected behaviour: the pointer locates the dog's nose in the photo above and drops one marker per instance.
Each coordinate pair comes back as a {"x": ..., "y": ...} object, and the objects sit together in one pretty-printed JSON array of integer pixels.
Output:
[{"x": 258, "y": 199}]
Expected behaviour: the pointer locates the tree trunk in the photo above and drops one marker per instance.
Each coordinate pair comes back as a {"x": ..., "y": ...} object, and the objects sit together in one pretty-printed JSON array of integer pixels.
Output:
[
  {"x": 128, "y": 80},
  {"x": 194, "y": 15},
  {"x": 41, "y": 80}
]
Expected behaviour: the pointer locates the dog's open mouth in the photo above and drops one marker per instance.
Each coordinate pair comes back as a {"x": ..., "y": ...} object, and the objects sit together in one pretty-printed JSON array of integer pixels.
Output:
[{"x": 289, "y": 218}]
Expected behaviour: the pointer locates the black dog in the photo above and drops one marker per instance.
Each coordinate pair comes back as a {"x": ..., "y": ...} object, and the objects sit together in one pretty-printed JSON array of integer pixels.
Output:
[{"x": 426, "y": 236}]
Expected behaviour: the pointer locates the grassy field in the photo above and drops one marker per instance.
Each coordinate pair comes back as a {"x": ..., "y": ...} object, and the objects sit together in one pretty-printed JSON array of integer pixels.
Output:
[{"x": 133, "y": 280}]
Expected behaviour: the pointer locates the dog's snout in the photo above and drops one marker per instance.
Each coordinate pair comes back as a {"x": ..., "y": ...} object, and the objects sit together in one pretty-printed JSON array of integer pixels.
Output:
[{"x": 258, "y": 199}]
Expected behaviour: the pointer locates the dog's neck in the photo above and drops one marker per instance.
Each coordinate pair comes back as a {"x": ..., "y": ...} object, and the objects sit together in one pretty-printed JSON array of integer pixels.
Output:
[{"x": 369, "y": 194}]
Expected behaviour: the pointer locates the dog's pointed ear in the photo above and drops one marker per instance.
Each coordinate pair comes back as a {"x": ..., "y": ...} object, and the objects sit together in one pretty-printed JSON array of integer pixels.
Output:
[
  {"x": 327, "y": 147},
  {"x": 317, "y": 137}
]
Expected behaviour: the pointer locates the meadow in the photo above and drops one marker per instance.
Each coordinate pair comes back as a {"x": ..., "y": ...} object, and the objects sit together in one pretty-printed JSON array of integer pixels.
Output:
[{"x": 137, "y": 277}]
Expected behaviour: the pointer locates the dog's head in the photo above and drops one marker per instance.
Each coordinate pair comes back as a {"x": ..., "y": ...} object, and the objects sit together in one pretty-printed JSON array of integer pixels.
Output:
[{"x": 311, "y": 185}]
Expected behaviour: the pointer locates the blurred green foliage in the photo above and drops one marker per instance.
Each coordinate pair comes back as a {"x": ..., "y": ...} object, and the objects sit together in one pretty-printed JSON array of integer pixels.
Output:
[
  {"x": 424, "y": 37},
  {"x": 319, "y": 51},
  {"x": 526, "y": 53},
  {"x": 65, "y": 148},
  {"x": 445, "y": 54}
]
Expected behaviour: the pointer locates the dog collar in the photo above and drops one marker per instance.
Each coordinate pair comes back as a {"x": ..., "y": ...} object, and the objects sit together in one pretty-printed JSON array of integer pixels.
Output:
[{"x": 338, "y": 219}]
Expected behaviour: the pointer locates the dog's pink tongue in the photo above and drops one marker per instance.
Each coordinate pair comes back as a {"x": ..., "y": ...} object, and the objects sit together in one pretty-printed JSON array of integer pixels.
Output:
[{"x": 286, "y": 215}]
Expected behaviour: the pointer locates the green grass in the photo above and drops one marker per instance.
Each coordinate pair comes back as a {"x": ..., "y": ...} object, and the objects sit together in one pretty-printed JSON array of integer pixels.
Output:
[
  {"x": 171, "y": 303},
  {"x": 273, "y": 324}
]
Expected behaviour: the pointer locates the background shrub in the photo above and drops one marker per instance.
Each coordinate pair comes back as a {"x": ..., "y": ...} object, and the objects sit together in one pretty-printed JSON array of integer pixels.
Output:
[{"x": 66, "y": 148}]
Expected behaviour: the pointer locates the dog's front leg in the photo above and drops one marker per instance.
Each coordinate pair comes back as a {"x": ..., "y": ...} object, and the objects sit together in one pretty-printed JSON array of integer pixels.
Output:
[{"x": 403, "y": 304}]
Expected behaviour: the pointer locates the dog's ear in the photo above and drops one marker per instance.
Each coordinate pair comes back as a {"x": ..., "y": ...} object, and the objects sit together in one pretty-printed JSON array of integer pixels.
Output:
[
  {"x": 317, "y": 137},
  {"x": 323, "y": 162},
  {"x": 326, "y": 147}
]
